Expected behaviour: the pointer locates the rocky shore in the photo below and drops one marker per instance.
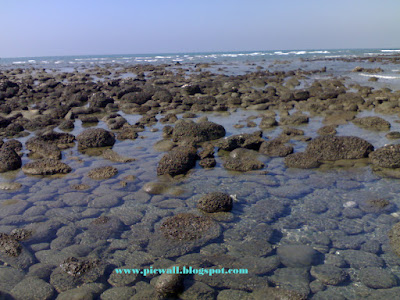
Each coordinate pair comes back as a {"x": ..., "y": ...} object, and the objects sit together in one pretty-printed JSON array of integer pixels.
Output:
[{"x": 291, "y": 174}]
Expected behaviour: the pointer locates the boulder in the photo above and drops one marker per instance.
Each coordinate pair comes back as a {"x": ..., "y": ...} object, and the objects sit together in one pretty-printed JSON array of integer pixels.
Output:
[
  {"x": 169, "y": 284},
  {"x": 187, "y": 227},
  {"x": 95, "y": 137},
  {"x": 42, "y": 148},
  {"x": 275, "y": 147},
  {"x": 268, "y": 122},
  {"x": 245, "y": 140},
  {"x": 101, "y": 173},
  {"x": 333, "y": 148},
  {"x": 197, "y": 132},
  {"x": 372, "y": 123},
  {"x": 177, "y": 161},
  {"x": 386, "y": 157},
  {"x": 301, "y": 160},
  {"x": 46, "y": 166},
  {"x": 9, "y": 160},
  {"x": 215, "y": 202}
]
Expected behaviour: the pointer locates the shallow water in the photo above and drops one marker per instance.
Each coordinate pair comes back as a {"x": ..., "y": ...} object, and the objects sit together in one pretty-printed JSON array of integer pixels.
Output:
[{"x": 325, "y": 208}]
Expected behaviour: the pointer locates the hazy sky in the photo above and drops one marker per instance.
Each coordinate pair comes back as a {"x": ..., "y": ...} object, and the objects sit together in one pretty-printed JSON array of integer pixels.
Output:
[{"x": 60, "y": 27}]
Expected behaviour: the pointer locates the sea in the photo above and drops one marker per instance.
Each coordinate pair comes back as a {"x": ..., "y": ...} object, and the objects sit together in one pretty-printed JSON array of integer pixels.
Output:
[{"x": 200, "y": 57}]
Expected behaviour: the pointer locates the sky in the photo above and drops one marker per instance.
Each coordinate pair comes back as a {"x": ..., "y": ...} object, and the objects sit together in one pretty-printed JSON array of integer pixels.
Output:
[{"x": 88, "y": 27}]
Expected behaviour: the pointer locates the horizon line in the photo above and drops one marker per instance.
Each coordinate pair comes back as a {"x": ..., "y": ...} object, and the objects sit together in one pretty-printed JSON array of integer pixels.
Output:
[{"x": 206, "y": 52}]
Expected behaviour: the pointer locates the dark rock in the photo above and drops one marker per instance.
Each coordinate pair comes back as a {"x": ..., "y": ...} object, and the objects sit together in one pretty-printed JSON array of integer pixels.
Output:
[
  {"x": 377, "y": 278},
  {"x": 13, "y": 144},
  {"x": 295, "y": 256},
  {"x": 294, "y": 120},
  {"x": 329, "y": 274},
  {"x": 197, "y": 132},
  {"x": 277, "y": 294},
  {"x": 275, "y": 147},
  {"x": 177, "y": 161},
  {"x": 100, "y": 100},
  {"x": 114, "y": 156},
  {"x": 208, "y": 162},
  {"x": 88, "y": 119},
  {"x": 301, "y": 95},
  {"x": 215, "y": 202},
  {"x": 186, "y": 226},
  {"x": 268, "y": 122},
  {"x": 327, "y": 130},
  {"x": 101, "y": 173},
  {"x": 192, "y": 89},
  {"x": 242, "y": 164},
  {"x": 245, "y": 140},
  {"x": 67, "y": 125},
  {"x": 293, "y": 279},
  {"x": 46, "y": 167},
  {"x": 95, "y": 137},
  {"x": 394, "y": 135},
  {"x": 9, "y": 245},
  {"x": 360, "y": 259},
  {"x": 386, "y": 157},
  {"x": 9, "y": 160},
  {"x": 76, "y": 267},
  {"x": 38, "y": 289},
  {"x": 301, "y": 160},
  {"x": 127, "y": 133},
  {"x": 42, "y": 148},
  {"x": 21, "y": 234},
  {"x": 373, "y": 123},
  {"x": 338, "y": 147},
  {"x": 74, "y": 272},
  {"x": 291, "y": 132},
  {"x": 394, "y": 237},
  {"x": 169, "y": 284}
]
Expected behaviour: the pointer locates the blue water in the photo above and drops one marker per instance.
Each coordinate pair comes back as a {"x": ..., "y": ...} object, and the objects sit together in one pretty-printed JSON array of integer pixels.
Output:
[{"x": 172, "y": 58}]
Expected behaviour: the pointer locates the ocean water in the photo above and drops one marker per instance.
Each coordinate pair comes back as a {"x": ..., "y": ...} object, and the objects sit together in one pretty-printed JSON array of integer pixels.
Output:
[{"x": 201, "y": 57}]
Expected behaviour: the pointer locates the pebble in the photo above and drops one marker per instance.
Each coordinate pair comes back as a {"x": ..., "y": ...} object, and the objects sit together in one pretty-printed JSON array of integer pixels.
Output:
[
  {"x": 32, "y": 288},
  {"x": 295, "y": 256},
  {"x": 329, "y": 274}
]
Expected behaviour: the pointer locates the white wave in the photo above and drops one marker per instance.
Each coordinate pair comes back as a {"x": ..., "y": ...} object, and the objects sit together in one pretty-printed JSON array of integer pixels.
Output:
[
  {"x": 298, "y": 52},
  {"x": 19, "y": 62},
  {"x": 280, "y": 53},
  {"x": 58, "y": 62},
  {"x": 380, "y": 76},
  {"x": 163, "y": 57},
  {"x": 32, "y": 61},
  {"x": 319, "y": 52},
  {"x": 390, "y": 50}
]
